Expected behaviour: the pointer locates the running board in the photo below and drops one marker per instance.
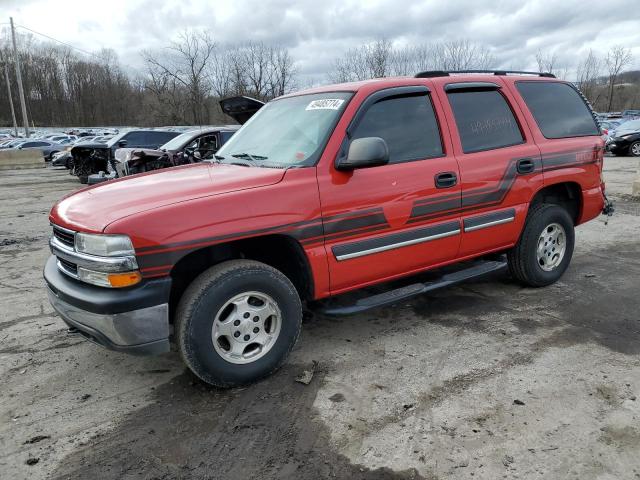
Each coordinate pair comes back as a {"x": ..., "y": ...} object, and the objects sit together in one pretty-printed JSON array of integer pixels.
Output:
[{"x": 403, "y": 293}]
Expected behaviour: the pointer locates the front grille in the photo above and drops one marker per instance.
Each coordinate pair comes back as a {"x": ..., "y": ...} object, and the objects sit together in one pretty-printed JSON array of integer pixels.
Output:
[
  {"x": 64, "y": 236},
  {"x": 68, "y": 267}
]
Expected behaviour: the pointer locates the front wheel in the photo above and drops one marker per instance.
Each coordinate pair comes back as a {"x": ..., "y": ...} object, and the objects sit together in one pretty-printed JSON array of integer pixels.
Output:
[
  {"x": 545, "y": 247},
  {"x": 237, "y": 322},
  {"x": 634, "y": 149}
]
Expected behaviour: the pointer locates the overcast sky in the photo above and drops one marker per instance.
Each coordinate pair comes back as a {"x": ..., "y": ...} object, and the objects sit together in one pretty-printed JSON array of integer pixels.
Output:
[{"x": 319, "y": 30}]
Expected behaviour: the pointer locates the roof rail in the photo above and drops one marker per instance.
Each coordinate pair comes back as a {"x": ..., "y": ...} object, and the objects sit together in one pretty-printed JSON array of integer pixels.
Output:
[{"x": 446, "y": 73}]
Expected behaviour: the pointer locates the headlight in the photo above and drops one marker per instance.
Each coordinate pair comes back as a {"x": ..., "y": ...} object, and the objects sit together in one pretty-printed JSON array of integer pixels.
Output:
[{"x": 104, "y": 245}]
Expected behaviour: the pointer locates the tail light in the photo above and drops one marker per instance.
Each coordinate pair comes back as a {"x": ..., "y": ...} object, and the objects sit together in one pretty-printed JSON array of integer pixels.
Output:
[{"x": 600, "y": 164}]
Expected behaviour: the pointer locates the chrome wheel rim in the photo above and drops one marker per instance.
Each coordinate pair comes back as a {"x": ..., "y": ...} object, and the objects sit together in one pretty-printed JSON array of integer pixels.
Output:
[
  {"x": 246, "y": 327},
  {"x": 635, "y": 149},
  {"x": 552, "y": 245}
]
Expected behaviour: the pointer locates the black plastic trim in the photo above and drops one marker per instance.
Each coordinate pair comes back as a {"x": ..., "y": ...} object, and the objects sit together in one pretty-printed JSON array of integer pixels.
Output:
[
  {"x": 453, "y": 87},
  {"x": 479, "y": 220},
  {"x": 105, "y": 301},
  {"x": 151, "y": 348},
  {"x": 474, "y": 270},
  {"x": 446, "y": 73},
  {"x": 395, "y": 238}
]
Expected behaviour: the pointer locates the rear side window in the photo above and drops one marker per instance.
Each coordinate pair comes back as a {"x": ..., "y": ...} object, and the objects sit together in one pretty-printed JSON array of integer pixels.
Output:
[
  {"x": 151, "y": 138},
  {"x": 484, "y": 120},
  {"x": 160, "y": 138},
  {"x": 558, "y": 109},
  {"x": 407, "y": 124}
]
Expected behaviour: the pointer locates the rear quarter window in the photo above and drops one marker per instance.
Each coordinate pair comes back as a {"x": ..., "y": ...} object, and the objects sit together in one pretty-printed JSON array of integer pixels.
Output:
[{"x": 558, "y": 109}]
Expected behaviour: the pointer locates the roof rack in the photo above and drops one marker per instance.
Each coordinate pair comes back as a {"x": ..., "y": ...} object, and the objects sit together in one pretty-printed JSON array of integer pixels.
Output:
[{"x": 446, "y": 73}]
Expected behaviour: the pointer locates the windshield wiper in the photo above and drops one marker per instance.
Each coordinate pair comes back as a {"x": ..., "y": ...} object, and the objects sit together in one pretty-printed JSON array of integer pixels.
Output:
[{"x": 253, "y": 158}]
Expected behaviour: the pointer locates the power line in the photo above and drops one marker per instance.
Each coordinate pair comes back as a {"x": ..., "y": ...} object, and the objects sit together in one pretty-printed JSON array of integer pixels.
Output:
[
  {"x": 60, "y": 42},
  {"x": 72, "y": 46}
]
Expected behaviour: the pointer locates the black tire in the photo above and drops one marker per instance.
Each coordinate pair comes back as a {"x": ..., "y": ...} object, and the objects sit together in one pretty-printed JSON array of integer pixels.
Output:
[
  {"x": 84, "y": 179},
  {"x": 207, "y": 294},
  {"x": 636, "y": 146},
  {"x": 523, "y": 261}
]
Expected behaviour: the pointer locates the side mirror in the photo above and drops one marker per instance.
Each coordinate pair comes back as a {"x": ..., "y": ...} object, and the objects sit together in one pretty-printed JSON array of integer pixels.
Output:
[
  {"x": 364, "y": 153},
  {"x": 122, "y": 143},
  {"x": 197, "y": 155}
]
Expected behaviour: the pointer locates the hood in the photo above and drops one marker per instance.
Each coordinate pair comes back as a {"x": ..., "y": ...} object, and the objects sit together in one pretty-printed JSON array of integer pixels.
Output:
[
  {"x": 240, "y": 108},
  {"x": 93, "y": 208}
]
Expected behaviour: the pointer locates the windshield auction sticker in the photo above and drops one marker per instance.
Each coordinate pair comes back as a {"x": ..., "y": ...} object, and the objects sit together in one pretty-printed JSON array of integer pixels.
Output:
[{"x": 325, "y": 104}]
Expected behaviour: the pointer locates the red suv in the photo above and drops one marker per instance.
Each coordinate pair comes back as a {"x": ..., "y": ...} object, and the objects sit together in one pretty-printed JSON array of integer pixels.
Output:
[{"x": 322, "y": 192}]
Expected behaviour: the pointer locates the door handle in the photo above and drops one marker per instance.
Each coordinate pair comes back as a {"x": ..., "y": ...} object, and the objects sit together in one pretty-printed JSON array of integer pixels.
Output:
[
  {"x": 446, "y": 179},
  {"x": 526, "y": 165}
]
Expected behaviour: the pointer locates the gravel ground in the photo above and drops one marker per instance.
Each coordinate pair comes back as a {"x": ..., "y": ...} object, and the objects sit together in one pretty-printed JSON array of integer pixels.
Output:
[{"x": 485, "y": 380}]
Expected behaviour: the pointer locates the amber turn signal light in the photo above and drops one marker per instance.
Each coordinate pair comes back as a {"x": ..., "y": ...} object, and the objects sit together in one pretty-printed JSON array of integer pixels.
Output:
[{"x": 120, "y": 280}]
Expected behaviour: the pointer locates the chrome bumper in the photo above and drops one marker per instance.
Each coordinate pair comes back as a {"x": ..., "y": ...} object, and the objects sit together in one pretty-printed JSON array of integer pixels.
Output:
[{"x": 144, "y": 331}]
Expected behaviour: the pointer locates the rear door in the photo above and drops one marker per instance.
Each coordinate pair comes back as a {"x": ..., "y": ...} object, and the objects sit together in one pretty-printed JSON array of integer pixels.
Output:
[
  {"x": 394, "y": 219},
  {"x": 500, "y": 166}
]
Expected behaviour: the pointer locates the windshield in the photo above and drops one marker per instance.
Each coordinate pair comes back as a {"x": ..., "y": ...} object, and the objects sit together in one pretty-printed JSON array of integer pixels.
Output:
[
  {"x": 176, "y": 143},
  {"x": 288, "y": 132}
]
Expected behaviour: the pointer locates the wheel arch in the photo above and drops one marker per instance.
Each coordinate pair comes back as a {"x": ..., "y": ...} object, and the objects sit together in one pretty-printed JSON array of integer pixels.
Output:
[
  {"x": 279, "y": 251},
  {"x": 566, "y": 194}
]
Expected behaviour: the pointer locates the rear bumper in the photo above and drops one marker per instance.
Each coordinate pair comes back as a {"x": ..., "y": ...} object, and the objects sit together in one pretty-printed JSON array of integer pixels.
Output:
[
  {"x": 593, "y": 204},
  {"x": 133, "y": 320}
]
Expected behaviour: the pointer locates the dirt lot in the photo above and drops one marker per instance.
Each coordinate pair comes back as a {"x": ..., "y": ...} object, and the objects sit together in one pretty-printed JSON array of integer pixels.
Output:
[{"x": 486, "y": 380}]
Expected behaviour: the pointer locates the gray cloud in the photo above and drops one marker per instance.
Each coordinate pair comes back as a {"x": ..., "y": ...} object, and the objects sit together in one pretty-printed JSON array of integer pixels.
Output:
[{"x": 319, "y": 31}]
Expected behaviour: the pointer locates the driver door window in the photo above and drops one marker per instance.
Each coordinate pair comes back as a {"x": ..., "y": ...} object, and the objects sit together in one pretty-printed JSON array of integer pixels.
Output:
[{"x": 407, "y": 124}]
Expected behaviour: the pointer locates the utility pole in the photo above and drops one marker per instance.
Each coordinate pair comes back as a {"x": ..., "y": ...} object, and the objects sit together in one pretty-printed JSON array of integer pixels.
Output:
[
  {"x": 16, "y": 60},
  {"x": 13, "y": 112}
]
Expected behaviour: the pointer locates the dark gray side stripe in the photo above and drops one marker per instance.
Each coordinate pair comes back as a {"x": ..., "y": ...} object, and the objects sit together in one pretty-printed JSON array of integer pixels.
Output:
[
  {"x": 395, "y": 240},
  {"x": 489, "y": 220}
]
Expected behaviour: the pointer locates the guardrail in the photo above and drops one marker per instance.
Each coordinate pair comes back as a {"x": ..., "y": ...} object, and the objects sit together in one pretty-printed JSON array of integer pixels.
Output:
[{"x": 20, "y": 159}]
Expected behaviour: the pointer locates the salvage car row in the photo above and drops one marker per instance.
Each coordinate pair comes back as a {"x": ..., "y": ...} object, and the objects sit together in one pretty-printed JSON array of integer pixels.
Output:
[{"x": 95, "y": 159}]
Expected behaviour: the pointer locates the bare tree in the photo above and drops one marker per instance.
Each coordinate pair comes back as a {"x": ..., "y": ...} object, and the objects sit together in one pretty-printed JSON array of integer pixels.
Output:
[
  {"x": 617, "y": 59},
  {"x": 462, "y": 55},
  {"x": 587, "y": 73},
  {"x": 381, "y": 59},
  {"x": 185, "y": 61}
]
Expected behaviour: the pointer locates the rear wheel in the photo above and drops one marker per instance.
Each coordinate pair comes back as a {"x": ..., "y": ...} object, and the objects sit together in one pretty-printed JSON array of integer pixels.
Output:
[
  {"x": 545, "y": 247},
  {"x": 237, "y": 322}
]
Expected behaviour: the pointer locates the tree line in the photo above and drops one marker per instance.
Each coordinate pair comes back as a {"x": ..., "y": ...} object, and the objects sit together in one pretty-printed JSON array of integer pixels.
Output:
[{"x": 182, "y": 83}]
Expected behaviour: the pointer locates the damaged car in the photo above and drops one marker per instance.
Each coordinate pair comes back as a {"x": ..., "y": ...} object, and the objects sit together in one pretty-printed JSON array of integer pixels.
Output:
[
  {"x": 192, "y": 146},
  {"x": 95, "y": 157}
]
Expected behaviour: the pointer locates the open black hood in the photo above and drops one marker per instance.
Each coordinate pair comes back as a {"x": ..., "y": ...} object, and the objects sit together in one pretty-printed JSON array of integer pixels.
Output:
[{"x": 240, "y": 108}]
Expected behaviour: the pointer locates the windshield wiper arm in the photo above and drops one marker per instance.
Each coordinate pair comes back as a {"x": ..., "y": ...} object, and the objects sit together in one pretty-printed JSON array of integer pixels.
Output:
[{"x": 253, "y": 158}]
